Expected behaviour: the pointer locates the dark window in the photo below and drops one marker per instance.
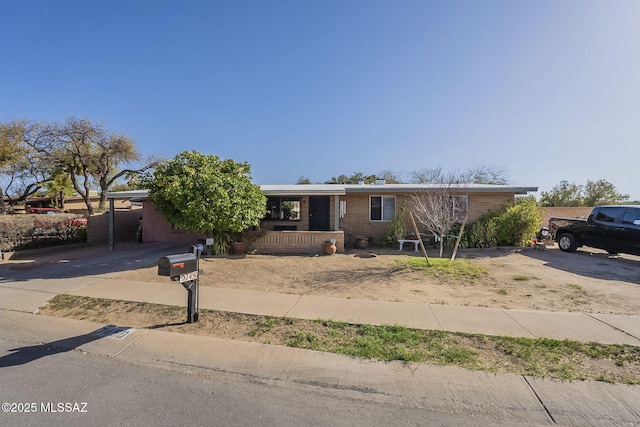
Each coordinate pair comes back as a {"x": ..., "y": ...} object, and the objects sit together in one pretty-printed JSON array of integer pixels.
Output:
[
  {"x": 283, "y": 208},
  {"x": 382, "y": 208},
  {"x": 631, "y": 216},
  {"x": 607, "y": 214}
]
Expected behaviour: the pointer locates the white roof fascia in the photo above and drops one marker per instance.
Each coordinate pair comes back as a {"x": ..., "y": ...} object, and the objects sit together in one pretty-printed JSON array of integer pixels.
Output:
[
  {"x": 414, "y": 188},
  {"x": 127, "y": 194},
  {"x": 341, "y": 190},
  {"x": 304, "y": 190}
]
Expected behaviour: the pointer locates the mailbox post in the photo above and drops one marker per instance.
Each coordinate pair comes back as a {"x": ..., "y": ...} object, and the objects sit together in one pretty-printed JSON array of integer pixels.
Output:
[{"x": 184, "y": 268}]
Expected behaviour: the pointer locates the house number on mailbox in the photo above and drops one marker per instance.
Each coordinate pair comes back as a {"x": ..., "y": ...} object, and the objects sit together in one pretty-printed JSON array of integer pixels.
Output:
[{"x": 188, "y": 276}]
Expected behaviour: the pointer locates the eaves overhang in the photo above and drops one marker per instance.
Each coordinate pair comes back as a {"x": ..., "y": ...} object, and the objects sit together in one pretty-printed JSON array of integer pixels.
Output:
[
  {"x": 304, "y": 190},
  {"x": 418, "y": 188}
]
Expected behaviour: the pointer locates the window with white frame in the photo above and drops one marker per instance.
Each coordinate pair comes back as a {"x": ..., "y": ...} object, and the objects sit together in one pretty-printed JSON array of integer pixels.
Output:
[
  {"x": 382, "y": 208},
  {"x": 460, "y": 206}
]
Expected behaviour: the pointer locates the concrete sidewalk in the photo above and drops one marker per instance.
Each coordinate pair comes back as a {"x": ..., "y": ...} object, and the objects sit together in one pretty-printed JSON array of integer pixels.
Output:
[
  {"x": 94, "y": 271},
  {"x": 602, "y": 328}
]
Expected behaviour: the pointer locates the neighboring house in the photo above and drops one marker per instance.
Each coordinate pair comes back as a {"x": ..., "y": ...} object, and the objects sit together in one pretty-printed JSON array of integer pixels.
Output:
[
  {"x": 75, "y": 204},
  {"x": 301, "y": 217}
]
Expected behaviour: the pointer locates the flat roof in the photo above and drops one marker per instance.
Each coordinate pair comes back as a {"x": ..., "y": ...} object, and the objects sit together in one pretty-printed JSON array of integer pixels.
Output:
[{"x": 343, "y": 189}]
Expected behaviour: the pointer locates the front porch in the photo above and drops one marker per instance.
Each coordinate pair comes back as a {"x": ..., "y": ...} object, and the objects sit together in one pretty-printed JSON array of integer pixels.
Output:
[{"x": 297, "y": 242}]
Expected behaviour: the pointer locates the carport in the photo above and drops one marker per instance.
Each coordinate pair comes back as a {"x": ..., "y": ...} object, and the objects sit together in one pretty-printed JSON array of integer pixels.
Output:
[{"x": 133, "y": 196}]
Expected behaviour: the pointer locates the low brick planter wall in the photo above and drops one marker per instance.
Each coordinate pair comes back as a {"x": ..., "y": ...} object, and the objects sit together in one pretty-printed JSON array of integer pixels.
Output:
[{"x": 297, "y": 242}]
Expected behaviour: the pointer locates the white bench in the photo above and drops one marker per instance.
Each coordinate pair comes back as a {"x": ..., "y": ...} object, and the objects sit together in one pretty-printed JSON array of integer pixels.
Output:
[{"x": 403, "y": 241}]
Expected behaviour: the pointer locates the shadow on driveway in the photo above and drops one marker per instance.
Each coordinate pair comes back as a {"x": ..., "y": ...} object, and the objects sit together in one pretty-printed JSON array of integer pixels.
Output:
[
  {"x": 92, "y": 261},
  {"x": 593, "y": 264}
]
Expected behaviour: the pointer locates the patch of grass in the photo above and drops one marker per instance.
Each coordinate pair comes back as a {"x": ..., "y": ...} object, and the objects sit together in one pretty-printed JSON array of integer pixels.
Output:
[
  {"x": 458, "y": 268},
  {"x": 62, "y": 302},
  {"x": 540, "y": 357},
  {"x": 522, "y": 278},
  {"x": 266, "y": 323}
]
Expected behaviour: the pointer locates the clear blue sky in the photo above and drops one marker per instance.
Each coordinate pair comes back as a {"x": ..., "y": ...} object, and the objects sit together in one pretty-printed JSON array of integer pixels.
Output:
[{"x": 549, "y": 89}]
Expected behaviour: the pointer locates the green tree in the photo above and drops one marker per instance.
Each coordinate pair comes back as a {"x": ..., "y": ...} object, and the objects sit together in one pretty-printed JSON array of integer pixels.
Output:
[
  {"x": 563, "y": 194},
  {"x": 354, "y": 178},
  {"x": 303, "y": 180},
  {"x": 602, "y": 192},
  {"x": 594, "y": 193},
  {"x": 205, "y": 194},
  {"x": 93, "y": 156},
  {"x": 25, "y": 163},
  {"x": 59, "y": 189}
]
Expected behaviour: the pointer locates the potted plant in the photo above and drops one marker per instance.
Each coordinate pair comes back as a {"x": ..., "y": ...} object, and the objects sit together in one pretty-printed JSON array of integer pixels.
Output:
[{"x": 244, "y": 239}]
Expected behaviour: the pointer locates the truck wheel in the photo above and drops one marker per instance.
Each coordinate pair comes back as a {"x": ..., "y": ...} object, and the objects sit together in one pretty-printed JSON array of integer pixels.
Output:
[{"x": 567, "y": 242}]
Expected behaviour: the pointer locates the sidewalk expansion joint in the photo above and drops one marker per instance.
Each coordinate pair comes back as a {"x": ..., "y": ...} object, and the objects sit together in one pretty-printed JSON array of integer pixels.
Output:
[
  {"x": 612, "y": 326},
  {"x": 435, "y": 317},
  {"x": 292, "y": 305},
  {"x": 132, "y": 342},
  {"x": 539, "y": 400},
  {"x": 506, "y": 313}
]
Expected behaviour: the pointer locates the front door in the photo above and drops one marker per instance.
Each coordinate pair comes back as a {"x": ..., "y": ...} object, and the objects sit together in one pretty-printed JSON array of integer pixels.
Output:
[{"x": 319, "y": 213}]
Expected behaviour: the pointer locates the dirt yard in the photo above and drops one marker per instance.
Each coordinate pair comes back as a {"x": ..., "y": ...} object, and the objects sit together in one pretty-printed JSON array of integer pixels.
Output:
[{"x": 516, "y": 279}]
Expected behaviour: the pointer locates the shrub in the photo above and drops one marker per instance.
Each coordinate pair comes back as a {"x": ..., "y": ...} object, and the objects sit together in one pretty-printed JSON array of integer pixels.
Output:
[
  {"x": 35, "y": 231},
  {"x": 510, "y": 226},
  {"x": 517, "y": 224},
  {"x": 397, "y": 228}
]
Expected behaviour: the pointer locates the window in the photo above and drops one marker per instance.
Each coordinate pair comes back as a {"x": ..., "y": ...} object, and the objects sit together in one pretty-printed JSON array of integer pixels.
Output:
[
  {"x": 283, "y": 208},
  {"x": 460, "y": 204},
  {"x": 631, "y": 216},
  {"x": 382, "y": 208},
  {"x": 607, "y": 214}
]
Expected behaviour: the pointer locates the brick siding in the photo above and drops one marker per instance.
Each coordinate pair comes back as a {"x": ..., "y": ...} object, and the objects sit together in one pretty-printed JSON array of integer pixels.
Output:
[{"x": 125, "y": 226}]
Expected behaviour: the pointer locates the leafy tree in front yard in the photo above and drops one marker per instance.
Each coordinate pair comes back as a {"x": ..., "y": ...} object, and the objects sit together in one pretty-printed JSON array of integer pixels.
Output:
[{"x": 205, "y": 194}]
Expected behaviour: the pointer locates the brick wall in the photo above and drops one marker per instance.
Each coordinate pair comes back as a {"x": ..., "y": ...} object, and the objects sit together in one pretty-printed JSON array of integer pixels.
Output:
[
  {"x": 481, "y": 203},
  {"x": 563, "y": 212},
  {"x": 156, "y": 228},
  {"x": 125, "y": 226},
  {"x": 356, "y": 222}
]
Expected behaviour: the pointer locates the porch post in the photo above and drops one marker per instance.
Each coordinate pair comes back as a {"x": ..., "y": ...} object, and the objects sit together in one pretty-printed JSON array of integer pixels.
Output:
[
  {"x": 336, "y": 213},
  {"x": 111, "y": 222}
]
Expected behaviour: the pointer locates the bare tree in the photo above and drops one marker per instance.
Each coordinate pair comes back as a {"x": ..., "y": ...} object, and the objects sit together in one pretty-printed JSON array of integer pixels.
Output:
[
  {"x": 475, "y": 175},
  {"x": 438, "y": 209}
]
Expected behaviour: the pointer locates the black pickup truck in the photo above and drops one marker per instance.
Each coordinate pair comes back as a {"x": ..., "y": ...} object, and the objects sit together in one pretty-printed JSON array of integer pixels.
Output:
[{"x": 616, "y": 229}]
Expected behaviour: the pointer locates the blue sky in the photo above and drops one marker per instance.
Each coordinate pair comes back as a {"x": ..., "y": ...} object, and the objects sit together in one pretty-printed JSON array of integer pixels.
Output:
[{"x": 548, "y": 89}]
